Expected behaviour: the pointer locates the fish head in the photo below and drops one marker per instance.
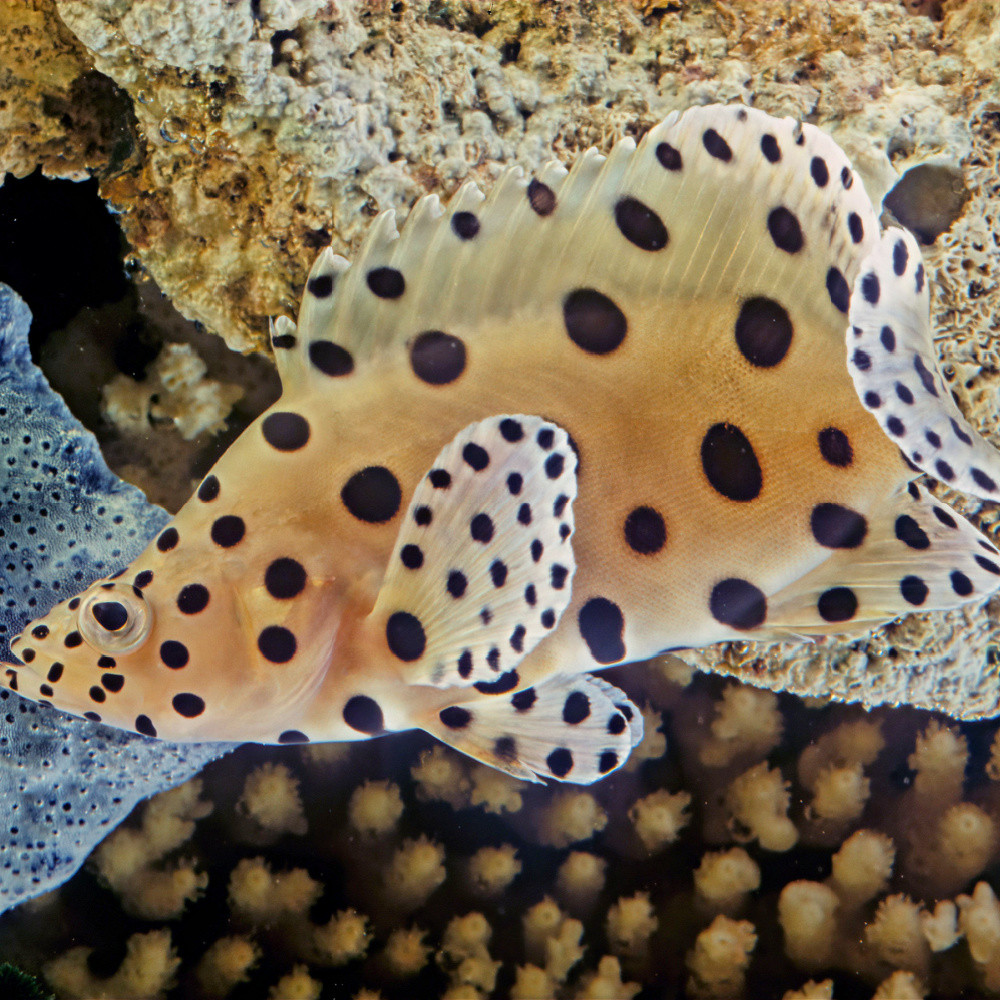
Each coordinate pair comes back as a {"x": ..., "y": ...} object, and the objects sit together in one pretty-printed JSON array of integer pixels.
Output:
[
  {"x": 79, "y": 654},
  {"x": 192, "y": 641}
]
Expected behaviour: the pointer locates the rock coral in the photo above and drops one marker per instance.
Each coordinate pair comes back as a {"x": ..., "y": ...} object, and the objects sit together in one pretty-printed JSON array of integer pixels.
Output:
[{"x": 233, "y": 148}]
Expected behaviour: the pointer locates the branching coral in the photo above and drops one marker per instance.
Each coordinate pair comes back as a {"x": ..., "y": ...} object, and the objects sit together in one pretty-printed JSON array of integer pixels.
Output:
[
  {"x": 271, "y": 801},
  {"x": 147, "y": 971},
  {"x": 394, "y": 920},
  {"x": 126, "y": 860}
]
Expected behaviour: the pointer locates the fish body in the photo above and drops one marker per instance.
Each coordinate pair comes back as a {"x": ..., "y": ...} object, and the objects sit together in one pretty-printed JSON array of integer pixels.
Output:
[{"x": 631, "y": 407}]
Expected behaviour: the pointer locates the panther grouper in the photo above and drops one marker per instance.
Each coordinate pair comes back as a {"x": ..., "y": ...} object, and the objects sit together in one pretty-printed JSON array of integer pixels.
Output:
[{"x": 593, "y": 416}]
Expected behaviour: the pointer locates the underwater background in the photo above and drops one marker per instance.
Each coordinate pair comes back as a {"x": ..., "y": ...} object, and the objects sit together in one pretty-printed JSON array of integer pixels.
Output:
[{"x": 171, "y": 170}]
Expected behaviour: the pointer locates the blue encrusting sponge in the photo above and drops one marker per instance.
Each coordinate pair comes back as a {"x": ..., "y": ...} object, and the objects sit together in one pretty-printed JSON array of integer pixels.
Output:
[{"x": 65, "y": 520}]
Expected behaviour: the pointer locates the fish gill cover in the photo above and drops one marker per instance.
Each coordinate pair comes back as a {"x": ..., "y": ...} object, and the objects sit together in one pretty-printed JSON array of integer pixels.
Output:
[{"x": 65, "y": 519}]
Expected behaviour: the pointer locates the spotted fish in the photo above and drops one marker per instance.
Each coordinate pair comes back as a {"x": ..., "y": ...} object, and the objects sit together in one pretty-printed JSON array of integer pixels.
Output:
[{"x": 601, "y": 413}]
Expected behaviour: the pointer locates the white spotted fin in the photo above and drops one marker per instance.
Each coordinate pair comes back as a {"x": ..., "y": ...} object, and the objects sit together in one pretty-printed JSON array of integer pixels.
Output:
[
  {"x": 915, "y": 553},
  {"x": 577, "y": 726},
  {"x": 895, "y": 370},
  {"x": 800, "y": 218},
  {"x": 483, "y": 564}
]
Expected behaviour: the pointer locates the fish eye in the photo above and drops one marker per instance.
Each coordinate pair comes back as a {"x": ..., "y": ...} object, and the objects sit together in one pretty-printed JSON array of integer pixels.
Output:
[{"x": 115, "y": 621}]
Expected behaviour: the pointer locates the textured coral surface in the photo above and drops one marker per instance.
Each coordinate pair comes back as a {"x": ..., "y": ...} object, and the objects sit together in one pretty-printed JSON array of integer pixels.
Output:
[{"x": 760, "y": 844}]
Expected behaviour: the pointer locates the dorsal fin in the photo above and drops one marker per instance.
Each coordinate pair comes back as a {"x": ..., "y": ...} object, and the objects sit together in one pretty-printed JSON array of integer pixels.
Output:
[{"x": 747, "y": 203}]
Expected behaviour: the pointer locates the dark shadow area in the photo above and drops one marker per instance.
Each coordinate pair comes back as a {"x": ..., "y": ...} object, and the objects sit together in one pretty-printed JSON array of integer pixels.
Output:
[{"x": 60, "y": 249}]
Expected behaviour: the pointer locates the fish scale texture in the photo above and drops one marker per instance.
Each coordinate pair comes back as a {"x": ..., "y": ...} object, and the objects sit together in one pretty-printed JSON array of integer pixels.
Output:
[{"x": 65, "y": 519}]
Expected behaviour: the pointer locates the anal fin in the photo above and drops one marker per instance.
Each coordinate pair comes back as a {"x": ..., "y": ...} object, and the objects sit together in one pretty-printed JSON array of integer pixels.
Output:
[
  {"x": 917, "y": 554},
  {"x": 571, "y": 728}
]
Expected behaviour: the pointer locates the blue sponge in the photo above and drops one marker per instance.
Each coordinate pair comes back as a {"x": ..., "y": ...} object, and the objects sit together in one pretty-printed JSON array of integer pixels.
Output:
[{"x": 65, "y": 520}]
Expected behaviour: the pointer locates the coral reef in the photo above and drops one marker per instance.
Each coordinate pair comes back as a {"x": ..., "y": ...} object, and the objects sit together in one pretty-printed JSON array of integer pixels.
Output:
[
  {"x": 371, "y": 879},
  {"x": 756, "y": 844}
]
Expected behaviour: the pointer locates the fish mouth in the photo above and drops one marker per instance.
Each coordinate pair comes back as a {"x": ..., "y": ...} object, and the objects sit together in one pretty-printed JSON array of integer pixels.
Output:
[{"x": 10, "y": 673}]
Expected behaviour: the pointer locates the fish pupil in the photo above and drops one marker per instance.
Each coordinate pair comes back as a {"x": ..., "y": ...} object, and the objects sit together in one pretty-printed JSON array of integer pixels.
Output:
[{"x": 110, "y": 615}]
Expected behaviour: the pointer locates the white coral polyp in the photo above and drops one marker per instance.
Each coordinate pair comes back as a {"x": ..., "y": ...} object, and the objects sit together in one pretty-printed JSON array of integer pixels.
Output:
[
  {"x": 758, "y": 801},
  {"x": 839, "y": 794},
  {"x": 724, "y": 879},
  {"x": 862, "y": 867},
  {"x": 719, "y": 959},
  {"x": 807, "y": 914},
  {"x": 896, "y": 934},
  {"x": 659, "y": 818}
]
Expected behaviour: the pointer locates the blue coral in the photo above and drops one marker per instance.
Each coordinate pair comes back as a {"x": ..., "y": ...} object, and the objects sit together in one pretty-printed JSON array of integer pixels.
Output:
[{"x": 65, "y": 519}]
